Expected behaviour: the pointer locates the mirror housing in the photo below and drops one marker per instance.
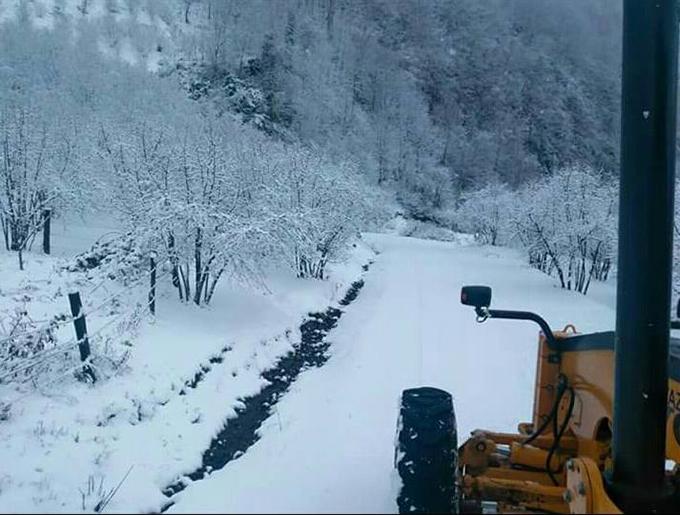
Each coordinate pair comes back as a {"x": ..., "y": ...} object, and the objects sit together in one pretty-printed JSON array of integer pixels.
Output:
[{"x": 477, "y": 296}]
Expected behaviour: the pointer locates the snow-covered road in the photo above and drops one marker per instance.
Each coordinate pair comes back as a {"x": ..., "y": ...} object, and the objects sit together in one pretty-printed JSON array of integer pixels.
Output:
[{"x": 328, "y": 447}]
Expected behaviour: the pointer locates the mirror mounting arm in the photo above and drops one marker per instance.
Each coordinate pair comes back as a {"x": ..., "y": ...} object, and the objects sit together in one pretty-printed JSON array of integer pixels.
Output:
[{"x": 484, "y": 313}]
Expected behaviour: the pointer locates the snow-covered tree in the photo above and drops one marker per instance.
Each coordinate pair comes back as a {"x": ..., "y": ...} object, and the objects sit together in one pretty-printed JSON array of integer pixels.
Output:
[
  {"x": 324, "y": 204},
  {"x": 486, "y": 213},
  {"x": 36, "y": 174},
  {"x": 186, "y": 196},
  {"x": 567, "y": 223}
]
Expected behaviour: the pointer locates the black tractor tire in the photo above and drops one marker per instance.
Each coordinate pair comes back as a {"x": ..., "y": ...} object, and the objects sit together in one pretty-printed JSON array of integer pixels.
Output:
[{"x": 427, "y": 452}]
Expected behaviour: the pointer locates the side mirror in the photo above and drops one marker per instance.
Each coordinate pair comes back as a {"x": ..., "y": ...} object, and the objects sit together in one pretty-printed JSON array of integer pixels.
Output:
[{"x": 477, "y": 296}]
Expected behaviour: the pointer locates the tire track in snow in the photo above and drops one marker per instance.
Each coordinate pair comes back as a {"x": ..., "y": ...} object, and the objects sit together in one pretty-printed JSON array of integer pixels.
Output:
[{"x": 241, "y": 432}]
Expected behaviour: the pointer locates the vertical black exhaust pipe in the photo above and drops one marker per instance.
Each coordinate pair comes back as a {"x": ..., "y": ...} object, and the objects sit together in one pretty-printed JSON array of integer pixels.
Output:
[{"x": 648, "y": 133}]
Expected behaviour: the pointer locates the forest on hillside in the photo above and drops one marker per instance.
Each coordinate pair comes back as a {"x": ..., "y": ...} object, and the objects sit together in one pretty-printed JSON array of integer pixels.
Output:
[{"x": 433, "y": 97}]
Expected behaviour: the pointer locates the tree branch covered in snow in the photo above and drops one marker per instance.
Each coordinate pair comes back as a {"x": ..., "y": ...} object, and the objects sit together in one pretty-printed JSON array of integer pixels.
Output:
[
  {"x": 565, "y": 222},
  {"x": 215, "y": 199},
  {"x": 36, "y": 173}
]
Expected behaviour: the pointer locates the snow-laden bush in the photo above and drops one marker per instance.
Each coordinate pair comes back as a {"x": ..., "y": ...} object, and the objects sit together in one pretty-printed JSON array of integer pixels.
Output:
[
  {"x": 32, "y": 349},
  {"x": 485, "y": 213},
  {"x": 567, "y": 224},
  {"x": 215, "y": 198},
  {"x": 36, "y": 172},
  {"x": 119, "y": 257},
  {"x": 426, "y": 230},
  {"x": 322, "y": 206},
  {"x": 186, "y": 194},
  {"x": 21, "y": 338}
]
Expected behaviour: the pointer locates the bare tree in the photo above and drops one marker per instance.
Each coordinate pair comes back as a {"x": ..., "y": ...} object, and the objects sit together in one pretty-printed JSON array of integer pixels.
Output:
[{"x": 33, "y": 164}]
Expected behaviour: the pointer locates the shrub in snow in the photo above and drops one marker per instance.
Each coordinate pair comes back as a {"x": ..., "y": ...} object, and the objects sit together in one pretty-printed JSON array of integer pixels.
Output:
[
  {"x": 35, "y": 173},
  {"x": 215, "y": 199},
  {"x": 183, "y": 194},
  {"x": 36, "y": 357},
  {"x": 120, "y": 258},
  {"x": 22, "y": 341},
  {"x": 424, "y": 230},
  {"x": 567, "y": 224},
  {"x": 322, "y": 206},
  {"x": 485, "y": 214}
]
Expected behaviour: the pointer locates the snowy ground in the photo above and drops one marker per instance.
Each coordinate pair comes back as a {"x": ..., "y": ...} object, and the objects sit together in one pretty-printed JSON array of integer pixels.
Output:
[
  {"x": 69, "y": 443},
  {"x": 329, "y": 445}
]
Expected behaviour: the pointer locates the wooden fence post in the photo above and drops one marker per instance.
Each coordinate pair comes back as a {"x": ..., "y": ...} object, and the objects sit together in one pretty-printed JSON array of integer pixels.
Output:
[
  {"x": 47, "y": 220},
  {"x": 152, "y": 288},
  {"x": 81, "y": 331}
]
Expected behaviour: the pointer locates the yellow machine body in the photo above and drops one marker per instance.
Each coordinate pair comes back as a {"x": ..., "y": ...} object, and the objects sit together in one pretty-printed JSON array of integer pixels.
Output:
[{"x": 503, "y": 469}]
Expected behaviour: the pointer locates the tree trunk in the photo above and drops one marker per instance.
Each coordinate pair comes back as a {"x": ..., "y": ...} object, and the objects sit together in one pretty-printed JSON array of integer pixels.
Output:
[
  {"x": 5, "y": 232},
  {"x": 198, "y": 267},
  {"x": 185, "y": 281},
  {"x": 211, "y": 292},
  {"x": 47, "y": 219},
  {"x": 187, "y": 7},
  {"x": 175, "y": 265}
]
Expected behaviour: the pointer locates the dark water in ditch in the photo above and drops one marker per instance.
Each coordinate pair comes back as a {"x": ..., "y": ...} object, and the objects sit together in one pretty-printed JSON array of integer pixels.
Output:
[{"x": 240, "y": 432}]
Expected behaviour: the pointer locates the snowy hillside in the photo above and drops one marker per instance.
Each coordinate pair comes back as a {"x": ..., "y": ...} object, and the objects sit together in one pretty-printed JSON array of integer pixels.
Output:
[{"x": 143, "y": 34}]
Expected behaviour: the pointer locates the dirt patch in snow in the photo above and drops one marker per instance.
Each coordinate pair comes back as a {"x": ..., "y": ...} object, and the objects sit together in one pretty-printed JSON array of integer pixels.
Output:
[{"x": 241, "y": 432}]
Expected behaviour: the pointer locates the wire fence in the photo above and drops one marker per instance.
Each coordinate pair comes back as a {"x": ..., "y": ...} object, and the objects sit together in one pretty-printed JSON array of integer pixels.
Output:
[
  {"x": 61, "y": 320},
  {"x": 53, "y": 380},
  {"x": 60, "y": 350},
  {"x": 102, "y": 304},
  {"x": 70, "y": 345}
]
